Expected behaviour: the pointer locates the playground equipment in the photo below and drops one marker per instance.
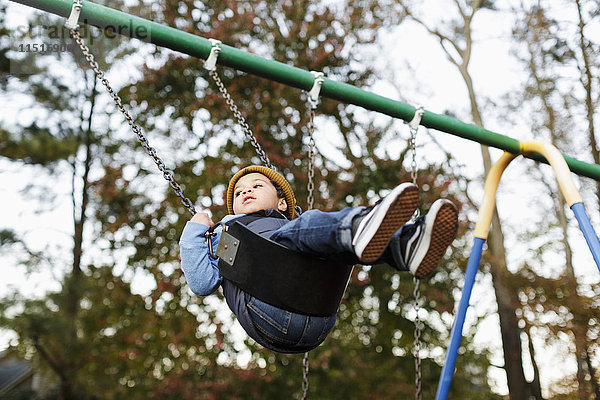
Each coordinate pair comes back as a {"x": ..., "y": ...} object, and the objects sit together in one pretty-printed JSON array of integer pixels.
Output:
[
  {"x": 174, "y": 39},
  {"x": 482, "y": 228}
]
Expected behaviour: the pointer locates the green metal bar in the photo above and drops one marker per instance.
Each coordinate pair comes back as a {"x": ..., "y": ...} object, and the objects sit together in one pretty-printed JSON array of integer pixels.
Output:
[{"x": 196, "y": 46}]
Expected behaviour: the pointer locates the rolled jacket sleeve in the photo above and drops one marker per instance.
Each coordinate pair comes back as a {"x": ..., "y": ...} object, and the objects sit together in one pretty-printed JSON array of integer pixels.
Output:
[{"x": 200, "y": 269}]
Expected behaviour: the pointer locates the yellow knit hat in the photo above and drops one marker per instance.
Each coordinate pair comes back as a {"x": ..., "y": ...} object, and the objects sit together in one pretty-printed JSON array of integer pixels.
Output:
[{"x": 275, "y": 176}]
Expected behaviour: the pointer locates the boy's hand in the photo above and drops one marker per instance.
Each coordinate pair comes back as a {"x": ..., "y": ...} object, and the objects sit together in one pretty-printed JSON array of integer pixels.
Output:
[{"x": 202, "y": 218}]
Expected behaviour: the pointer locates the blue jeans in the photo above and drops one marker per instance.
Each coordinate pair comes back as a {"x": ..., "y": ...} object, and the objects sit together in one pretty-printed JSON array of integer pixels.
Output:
[
  {"x": 329, "y": 235},
  {"x": 326, "y": 235},
  {"x": 286, "y": 331}
]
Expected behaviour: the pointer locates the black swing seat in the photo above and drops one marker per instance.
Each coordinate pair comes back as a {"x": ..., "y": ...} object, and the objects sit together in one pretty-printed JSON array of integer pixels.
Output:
[{"x": 279, "y": 276}]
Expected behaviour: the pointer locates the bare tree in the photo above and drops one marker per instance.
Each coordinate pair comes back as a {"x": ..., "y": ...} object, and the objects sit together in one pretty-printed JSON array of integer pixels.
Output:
[
  {"x": 456, "y": 41},
  {"x": 543, "y": 50},
  {"x": 587, "y": 59}
]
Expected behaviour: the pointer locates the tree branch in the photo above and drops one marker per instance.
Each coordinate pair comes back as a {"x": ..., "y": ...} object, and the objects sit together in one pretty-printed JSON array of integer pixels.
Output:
[
  {"x": 442, "y": 38},
  {"x": 53, "y": 364}
]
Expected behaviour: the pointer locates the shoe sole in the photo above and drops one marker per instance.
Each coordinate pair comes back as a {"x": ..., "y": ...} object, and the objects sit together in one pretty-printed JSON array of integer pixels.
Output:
[
  {"x": 442, "y": 233},
  {"x": 385, "y": 224}
]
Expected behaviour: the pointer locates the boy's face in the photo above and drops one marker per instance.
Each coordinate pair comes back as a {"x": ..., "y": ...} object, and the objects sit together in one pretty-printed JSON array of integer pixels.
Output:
[{"x": 254, "y": 192}]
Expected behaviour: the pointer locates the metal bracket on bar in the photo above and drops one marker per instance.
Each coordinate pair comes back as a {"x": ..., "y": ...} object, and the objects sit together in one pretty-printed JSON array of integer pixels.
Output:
[
  {"x": 72, "y": 22},
  {"x": 416, "y": 121},
  {"x": 211, "y": 62},
  {"x": 313, "y": 94}
]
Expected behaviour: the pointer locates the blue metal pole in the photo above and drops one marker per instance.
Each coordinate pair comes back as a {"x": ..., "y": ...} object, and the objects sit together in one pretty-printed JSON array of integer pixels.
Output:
[
  {"x": 588, "y": 231},
  {"x": 459, "y": 321}
]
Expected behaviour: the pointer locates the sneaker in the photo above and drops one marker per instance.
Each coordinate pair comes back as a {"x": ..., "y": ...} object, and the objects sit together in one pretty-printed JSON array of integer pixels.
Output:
[
  {"x": 432, "y": 235},
  {"x": 376, "y": 225}
]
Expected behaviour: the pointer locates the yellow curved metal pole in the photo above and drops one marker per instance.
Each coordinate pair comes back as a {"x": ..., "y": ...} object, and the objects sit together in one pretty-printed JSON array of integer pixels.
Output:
[
  {"x": 486, "y": 209},
  {"x": 561, "y": 169},
  {"x": 556, "y": 160}
]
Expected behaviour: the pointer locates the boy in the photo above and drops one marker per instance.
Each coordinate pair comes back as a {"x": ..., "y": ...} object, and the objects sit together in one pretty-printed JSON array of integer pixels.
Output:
[{"x": 354, "y": 235}]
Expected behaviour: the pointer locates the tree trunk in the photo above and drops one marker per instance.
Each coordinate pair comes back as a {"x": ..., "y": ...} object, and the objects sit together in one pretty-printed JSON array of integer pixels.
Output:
[
  {"x": 66, "y": 391},
  {"x": 587, "y": 81},
  {"x": 73, "y": 283},
  {"x": 535, "y": 385},
  {"x": 592, "y": 371},
  {"x": 579, "y": 325},
  {"x": 79, "y": 220},
  {"x": 587, "y": 78},
  {"x": 509, "y": 328},
  {"x": 79, "y": 211},
  {"x": 506, "y": 296}
]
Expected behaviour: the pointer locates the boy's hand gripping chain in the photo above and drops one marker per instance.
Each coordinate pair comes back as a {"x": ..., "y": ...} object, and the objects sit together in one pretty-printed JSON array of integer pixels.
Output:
[
  {"x": 72, "y": 25},
  {"x": 209, "y": 234}
]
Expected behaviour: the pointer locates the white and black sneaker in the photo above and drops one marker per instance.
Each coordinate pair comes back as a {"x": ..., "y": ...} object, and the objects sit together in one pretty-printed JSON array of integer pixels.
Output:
[
  {"x": 431, "y": 236},
  {"x": 374, "y": 226}
]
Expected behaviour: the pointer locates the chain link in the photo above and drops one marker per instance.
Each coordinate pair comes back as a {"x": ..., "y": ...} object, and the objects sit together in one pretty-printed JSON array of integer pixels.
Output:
[
  {"x": 305, "y": 377},
  {"x": 418, "y": 326},
  {"x": 240, "y": 119},
  {"x": 167, "y": 174},
  {"x": 311, "y": 201},
  {"x": 413, "y": 164}
]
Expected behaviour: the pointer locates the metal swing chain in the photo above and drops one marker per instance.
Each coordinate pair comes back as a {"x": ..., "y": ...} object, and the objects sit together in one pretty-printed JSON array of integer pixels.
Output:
[
  {"x": 240, "y": 119},
  {"x": 413, "y": 164},
  {"x": 311, "y": 201},
  {"x": 305, "y": 376},
  {"x": 313, "y": 102},
  {"x": 418, "y": 327},
  {"x": 167, "y": 174},
  {"x": 311, "y": 160},
  {"x": 414, "y": 126}
]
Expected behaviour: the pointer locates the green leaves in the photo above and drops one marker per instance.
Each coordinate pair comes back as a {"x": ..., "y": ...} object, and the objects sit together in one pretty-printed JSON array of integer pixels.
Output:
[
  {"x": 8, "y": 237},
  {"x": 36, "y": 145}
]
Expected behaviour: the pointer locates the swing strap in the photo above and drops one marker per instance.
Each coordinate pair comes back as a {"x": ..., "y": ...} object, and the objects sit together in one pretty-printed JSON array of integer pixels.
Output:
[{"x": 284, "y": 278}]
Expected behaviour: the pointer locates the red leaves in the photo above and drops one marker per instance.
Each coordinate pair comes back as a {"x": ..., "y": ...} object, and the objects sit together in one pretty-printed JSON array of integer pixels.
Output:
[{"x": 166, "y": 285}]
